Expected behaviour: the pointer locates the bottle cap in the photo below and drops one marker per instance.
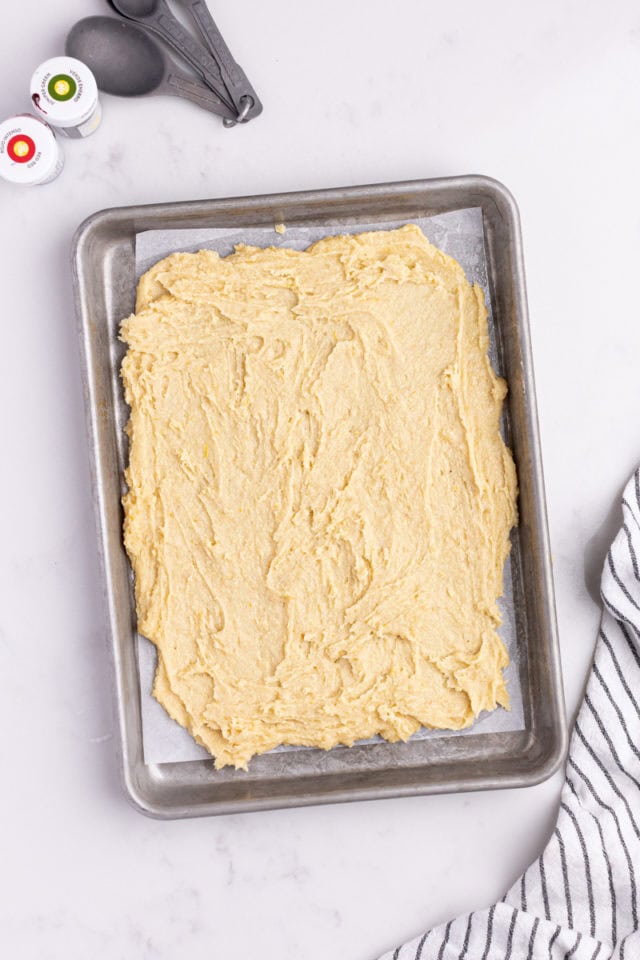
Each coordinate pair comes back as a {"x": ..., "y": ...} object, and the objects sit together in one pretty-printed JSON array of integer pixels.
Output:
[
  {"x": 29, "y": 151},
  {"x": 65, "y": 91}
]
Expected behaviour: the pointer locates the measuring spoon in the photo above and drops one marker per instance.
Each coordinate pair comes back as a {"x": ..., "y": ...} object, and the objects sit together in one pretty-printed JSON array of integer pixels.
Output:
[
  {"x": 233, "y": 76},
  {"x": 128, "y": 62},
  {"x": 156, "y": 15}
]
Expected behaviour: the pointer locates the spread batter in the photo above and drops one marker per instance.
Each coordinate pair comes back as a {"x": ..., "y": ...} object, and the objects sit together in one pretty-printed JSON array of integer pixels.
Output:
[{"x": 319, "y": 498}]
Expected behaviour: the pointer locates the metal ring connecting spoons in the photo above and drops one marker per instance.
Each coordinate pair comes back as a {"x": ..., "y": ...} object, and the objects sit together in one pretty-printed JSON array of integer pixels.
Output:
[
  {"x": 247, "y": 104},
  {"x": 128, "y": 62},
  {"x": 156, "y": 15}
]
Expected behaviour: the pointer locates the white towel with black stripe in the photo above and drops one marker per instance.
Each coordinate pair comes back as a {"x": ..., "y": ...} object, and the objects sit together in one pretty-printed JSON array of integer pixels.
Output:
[{"x": 580, "y": 898}]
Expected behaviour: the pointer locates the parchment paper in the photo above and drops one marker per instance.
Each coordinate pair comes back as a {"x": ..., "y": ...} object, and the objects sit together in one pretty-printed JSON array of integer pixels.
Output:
[{"x": 460, "y": 234}]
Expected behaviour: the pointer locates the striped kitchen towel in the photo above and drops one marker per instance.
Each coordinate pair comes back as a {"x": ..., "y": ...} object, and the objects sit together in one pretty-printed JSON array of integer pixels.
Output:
[{"x": 580, "y": 898}]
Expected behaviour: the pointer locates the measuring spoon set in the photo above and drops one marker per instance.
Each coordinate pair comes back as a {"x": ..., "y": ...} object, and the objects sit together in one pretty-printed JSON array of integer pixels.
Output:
[{"x": 127, "y": 60}]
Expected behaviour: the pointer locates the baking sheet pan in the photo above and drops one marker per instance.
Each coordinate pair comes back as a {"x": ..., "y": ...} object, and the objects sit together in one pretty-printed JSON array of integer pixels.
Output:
[{"x": 104, "y": 263}]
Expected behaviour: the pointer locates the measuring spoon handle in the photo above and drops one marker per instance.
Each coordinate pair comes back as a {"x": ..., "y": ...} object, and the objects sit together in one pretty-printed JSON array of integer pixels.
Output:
[
  {"x": 233, "y": 76},
  {"x": 195, "y": 91},
  {"x": 165, "y": 25}
]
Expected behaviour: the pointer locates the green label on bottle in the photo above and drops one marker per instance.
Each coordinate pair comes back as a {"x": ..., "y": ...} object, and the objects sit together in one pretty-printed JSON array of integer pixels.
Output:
[{"x": 62, "y": 87}]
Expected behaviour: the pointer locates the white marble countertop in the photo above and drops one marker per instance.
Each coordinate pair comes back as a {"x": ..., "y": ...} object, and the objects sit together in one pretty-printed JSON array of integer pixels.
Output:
[{"x": 542, "y": 97}]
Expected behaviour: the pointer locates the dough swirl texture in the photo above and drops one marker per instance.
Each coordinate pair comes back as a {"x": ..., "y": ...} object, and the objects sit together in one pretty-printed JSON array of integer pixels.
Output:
[{"x": 319, "y": 499}]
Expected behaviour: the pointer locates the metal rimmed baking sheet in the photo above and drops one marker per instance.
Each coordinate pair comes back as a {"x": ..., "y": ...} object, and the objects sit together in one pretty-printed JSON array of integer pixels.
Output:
[{"x": 104, "y": 271}]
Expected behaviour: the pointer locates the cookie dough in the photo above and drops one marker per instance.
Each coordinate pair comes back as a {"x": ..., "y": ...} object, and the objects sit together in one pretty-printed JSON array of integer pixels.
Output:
[{"x": 319, "y": 499}]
